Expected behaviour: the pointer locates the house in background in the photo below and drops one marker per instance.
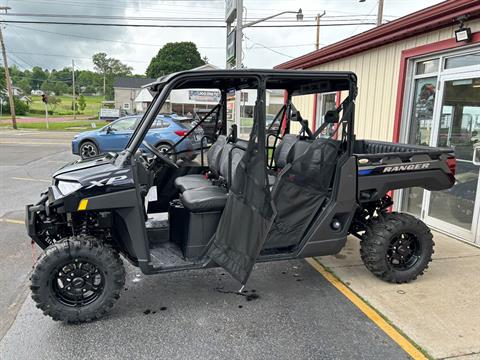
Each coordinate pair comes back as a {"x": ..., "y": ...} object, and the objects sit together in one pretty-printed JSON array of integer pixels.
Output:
[
  {"x": 126, "y": 89},
  {"x": 131, "y": 97}
]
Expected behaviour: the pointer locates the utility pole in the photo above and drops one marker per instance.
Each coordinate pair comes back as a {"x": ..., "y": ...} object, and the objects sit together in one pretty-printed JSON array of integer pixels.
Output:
[
  {"x": 73, "y": 91},
  {"x": 7, "y": 74},
  {"x": 380, "y": 13},
  {"x": 317, "y": 42}
]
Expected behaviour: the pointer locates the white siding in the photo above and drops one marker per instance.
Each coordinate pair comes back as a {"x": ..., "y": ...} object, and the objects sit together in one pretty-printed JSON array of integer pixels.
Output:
[{"x": 377, "y": 70}]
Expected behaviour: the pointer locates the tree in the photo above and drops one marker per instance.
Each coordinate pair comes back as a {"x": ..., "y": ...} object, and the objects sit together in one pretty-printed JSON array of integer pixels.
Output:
[
  {"x": 21, "y": 107},
  {"x": 53, "y": 101},
  {"x": 55, "y": 86},
  {"x": 109, "y": 68},
  {"x": 82, "y": 103},
  {"x": 174, "y": 57},
  {"x": 38, "y": 77}
]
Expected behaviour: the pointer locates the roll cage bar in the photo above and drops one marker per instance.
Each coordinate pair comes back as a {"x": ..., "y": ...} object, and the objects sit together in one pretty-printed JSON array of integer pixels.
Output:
[{"x": 293, "y": 82}]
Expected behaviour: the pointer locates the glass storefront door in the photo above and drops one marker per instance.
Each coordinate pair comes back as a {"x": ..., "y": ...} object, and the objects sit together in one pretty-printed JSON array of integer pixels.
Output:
[{"x": 457, "y": 125}]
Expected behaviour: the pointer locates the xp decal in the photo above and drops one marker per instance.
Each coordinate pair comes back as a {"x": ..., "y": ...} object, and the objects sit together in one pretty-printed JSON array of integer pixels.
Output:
[{"x": 106, "y": 181}]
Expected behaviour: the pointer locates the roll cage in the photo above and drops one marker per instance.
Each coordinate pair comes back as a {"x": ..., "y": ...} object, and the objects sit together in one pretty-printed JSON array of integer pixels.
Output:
[{"x": 294, "y": 83}]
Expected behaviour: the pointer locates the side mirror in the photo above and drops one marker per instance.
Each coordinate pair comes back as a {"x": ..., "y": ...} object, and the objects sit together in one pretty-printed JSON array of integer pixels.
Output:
[
  {"x": 331, "y": 117},
  {"x": 108, "y": 130}
]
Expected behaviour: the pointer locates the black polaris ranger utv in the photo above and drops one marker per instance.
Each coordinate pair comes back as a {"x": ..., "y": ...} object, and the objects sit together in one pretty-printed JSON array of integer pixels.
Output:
[{"x": 283, "y": 196}]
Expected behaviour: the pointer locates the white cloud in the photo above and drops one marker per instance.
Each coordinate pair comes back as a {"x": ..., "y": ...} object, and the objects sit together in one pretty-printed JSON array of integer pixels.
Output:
[{"x": 25, "y": 45}]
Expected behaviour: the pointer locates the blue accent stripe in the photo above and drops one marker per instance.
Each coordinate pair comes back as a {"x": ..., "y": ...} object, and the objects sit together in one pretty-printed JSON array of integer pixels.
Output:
[{"x": 365, "y": 172}]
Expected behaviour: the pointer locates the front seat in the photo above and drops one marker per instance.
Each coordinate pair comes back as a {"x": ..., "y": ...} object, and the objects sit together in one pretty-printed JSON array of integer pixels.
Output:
[
  {"x": 195, "y": 181},
  {"x": 214, "y": 198}
]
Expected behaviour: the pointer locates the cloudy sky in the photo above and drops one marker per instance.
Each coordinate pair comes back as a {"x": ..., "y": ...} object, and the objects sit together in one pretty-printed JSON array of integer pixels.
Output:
[{"x": 54, "y": 46}]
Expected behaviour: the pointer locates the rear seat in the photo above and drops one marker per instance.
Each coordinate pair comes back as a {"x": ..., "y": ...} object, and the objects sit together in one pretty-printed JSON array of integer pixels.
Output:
[
  {"x": 205, "y": 198},
  {"x": 195, "y": 181},
  {"x": 281, "y": 155}
]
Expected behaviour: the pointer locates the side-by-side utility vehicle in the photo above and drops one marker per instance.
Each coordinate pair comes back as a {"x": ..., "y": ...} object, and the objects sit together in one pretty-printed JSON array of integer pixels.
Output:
[{"x": 285, "y": 195}]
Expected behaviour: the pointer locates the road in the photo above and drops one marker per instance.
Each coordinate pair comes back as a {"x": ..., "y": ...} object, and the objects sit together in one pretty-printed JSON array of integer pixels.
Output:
[{"x": 185, "y": 315}]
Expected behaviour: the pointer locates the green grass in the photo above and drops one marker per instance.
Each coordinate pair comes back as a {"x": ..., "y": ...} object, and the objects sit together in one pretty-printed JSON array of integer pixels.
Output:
[
  {"x": 64, "y": 107},
  {"x": 77, "y": 125}
]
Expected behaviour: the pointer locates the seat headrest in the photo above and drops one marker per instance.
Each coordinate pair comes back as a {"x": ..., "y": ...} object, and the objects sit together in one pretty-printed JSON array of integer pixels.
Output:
[{"x": 280, "y": 155}]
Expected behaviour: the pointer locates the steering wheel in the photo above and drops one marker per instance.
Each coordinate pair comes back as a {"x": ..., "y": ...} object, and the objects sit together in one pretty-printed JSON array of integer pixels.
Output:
[{"x": 164, "y": 158}]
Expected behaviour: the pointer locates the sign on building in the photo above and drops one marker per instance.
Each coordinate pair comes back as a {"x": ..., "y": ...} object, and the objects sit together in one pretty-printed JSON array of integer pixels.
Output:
[{"x": 204, "y": 95}]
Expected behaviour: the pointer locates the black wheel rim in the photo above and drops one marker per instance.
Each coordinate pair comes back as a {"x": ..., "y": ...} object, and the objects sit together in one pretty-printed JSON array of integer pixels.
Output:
[
  {"x": 88, "y": 150},
  {"x": 77, "y": 283},
  {"x": 404, "y": 251}
]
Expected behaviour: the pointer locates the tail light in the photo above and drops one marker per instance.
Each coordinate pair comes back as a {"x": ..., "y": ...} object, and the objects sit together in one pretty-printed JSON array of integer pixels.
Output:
[
  {"x": 181, "y": 132},
  {"x": 452, "y": 164}
]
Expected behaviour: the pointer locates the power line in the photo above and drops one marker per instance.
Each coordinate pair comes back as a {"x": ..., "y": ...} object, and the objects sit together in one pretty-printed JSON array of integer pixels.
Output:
[
  {"x": 157, "y": 18},
  {"x": 134, "y": 43},
  {"x": 268, "y": 48},
  {"x": 175, "y": 25}
]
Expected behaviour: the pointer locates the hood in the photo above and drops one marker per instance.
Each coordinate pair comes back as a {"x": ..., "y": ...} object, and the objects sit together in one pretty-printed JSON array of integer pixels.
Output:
[
  {"x": 84, "y": 170},
  {"x": 85, "y": 133}
]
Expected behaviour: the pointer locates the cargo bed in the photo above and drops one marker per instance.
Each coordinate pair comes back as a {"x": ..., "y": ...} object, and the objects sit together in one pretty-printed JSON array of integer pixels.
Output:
[{"x": 385, "y": 166}]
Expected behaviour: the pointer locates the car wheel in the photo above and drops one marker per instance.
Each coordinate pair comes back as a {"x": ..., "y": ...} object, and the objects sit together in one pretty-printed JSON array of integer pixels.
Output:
[
  {"x": 88, "y": 149},
  {"x": 165, "y": 148}
]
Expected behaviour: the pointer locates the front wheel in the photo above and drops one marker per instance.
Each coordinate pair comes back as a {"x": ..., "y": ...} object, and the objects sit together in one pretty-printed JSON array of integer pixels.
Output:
[
  {"x": 397, "y": 247},
  {"x": 77, "y": 279}
]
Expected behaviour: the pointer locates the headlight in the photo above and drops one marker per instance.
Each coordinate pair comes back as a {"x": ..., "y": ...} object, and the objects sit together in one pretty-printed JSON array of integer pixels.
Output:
[
  {"x": 67, "y": 187},
  {"x": 76, "y": 136}
]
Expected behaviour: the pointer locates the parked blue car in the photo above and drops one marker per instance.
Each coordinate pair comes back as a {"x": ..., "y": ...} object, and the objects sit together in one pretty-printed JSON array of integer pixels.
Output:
[{"x": 164, "y": 133}]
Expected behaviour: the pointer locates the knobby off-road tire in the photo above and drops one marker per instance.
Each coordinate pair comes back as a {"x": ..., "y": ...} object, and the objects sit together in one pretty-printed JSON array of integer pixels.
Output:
[
  {"x": 397, "y": 247},
  {"x": 77, "y": 279}
]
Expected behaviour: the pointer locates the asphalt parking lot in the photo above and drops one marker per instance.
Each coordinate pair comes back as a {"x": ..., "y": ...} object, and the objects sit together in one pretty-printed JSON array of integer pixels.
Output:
[{"x": 298, "y": 313}]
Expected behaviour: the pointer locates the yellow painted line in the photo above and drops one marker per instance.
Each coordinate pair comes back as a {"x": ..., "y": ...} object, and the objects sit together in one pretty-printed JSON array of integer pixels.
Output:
[
  {"x": 32, "y": 143},
  {"x": 12, "y": 221},
  {"x": 370, "y": 312},
  {"x": 31, "y": 179}
]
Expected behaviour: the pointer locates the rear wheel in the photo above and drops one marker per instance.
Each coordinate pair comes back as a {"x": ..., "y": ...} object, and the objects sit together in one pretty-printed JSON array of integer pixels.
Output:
[
  {"x": 397, "y": 248},
  {"x": 88, "y": 149},
  {"x": 77, "y": 279}
]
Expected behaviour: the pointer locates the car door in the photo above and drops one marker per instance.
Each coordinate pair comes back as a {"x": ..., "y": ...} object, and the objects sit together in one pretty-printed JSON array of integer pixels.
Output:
[{"x": 115, "y": 136}]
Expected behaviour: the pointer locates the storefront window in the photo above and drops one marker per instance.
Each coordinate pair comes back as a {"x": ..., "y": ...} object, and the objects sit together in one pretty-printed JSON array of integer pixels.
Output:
[
  {"x": 462, "y": 60},
  {"x": 421, "y": 130},
  {"x": 427, "y": 67},
  {"x": 327, "y": 102},
  {"x": 422, "y": 110}
]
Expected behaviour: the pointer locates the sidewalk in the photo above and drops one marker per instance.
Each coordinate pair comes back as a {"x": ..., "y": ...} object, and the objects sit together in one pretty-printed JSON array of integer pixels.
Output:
[{"x": 440, "y": 311}]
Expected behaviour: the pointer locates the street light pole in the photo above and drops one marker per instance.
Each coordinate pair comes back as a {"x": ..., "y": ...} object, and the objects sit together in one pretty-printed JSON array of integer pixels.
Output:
[
  {"x": 380, "y": 13},
  {"x": 238, "y": 62},
  {"x": 7, "y": 75},
  {"x": 238, "y": 44}
]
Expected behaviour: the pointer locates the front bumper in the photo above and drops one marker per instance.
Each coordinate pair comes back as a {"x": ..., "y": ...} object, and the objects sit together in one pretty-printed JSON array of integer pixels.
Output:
[{"x": 34, "y": 223}]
